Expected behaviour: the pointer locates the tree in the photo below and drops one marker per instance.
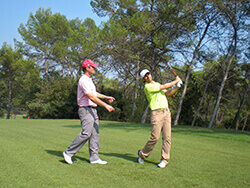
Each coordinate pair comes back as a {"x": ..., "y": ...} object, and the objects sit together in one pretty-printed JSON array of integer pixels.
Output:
[
  {"x": 246, "y": 69},
  {"x": 46, "y": 39},
  {"x": 83, "y": 44},
  {"x": 233, "y": 14},
  {"x": 205, "y": 16},
  {"x": 139, "y": 34},
  {"x": 60, "y": 50},
  {"x": 55, "y": 98},
  {"x": 203, "y": 96},
  {"x": 19, "y": 78}
]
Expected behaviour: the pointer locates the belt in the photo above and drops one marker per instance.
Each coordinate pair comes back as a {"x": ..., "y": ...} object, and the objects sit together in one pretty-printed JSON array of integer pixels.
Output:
[
  {"x": 160, "y": 109},
  {"x": 87, "y": 107}
]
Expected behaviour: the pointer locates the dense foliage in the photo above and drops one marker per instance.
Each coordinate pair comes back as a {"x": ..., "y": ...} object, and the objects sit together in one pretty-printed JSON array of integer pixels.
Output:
[{"x": 206, "y": 42}]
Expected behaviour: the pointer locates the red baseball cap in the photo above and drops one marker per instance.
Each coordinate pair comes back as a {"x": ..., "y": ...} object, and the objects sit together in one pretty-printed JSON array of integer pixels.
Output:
[{"x": 88, "y": 63}]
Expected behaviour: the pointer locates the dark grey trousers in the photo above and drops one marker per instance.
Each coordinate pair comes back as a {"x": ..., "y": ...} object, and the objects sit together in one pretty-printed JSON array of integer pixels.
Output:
[{"x": 90, "y": 132}]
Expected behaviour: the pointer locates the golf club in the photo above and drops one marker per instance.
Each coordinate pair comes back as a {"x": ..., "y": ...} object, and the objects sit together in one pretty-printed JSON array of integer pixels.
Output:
[{"x": 169, "y": 65}]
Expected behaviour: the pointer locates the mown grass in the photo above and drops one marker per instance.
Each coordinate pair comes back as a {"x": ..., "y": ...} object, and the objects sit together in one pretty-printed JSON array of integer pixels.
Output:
[{"x": 31, "y": 156}]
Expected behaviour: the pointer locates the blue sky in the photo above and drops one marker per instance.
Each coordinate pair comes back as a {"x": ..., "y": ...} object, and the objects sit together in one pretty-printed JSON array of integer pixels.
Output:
[{"x": 15, "y": 12}]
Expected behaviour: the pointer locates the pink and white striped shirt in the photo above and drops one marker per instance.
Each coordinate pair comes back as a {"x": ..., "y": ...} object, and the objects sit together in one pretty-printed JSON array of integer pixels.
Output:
[{"x": 85, "y": 86}]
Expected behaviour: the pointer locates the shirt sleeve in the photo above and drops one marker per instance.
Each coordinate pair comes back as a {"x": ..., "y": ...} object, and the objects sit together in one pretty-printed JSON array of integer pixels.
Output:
[{"x": 85, "y": 86}]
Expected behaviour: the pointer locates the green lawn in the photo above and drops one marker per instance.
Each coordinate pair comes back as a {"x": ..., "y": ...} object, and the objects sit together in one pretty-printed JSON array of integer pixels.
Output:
[{"x": 31, "y": 156}]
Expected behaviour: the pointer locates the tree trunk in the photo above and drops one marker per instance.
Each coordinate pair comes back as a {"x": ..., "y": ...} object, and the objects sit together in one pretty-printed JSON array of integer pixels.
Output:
[
  {"x": 208, "y": 102},
  {"x": 202, "y": 98},
  {"x": 9, "y": 100},
  {"x": 237, "y": 116},
  {"x": 188, "y": 75},
  {"x": 46, "y": 69},
  {"x": 216, "y": 118},
  {"x": 234, "y": 46},
  {"x": 136, "y": 89},
  {"x": 245, "y": 122},
  {"x": 221, "y": 118},
  {"x": 63, "y": 71},
  {"x": 144, "y": 117},
  {"x": 70, "y": 68},
  {"x": 216, "y": 107},
  {"x": 183, "y": 94}
]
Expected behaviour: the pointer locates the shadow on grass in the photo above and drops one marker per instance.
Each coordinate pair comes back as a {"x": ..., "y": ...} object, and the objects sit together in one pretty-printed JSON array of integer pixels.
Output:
[
  {"x": 185, "y": 130},
  {"x": 126, "y": 156},
  {"x": 122, "y": 125},
  {"x": 73, "y": 126},
  {"x": 116, "y": 125},
  {"x": 59, "y": 154},
  {"x": 189, "y": 129},
  {"x": 212, "y": 133}
]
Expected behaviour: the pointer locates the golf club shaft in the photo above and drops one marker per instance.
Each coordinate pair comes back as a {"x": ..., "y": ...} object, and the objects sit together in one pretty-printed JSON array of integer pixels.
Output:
[{"x": 172, "y": 69}]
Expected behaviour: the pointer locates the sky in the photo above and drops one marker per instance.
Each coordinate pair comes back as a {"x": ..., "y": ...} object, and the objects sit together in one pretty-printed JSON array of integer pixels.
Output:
[{"x": 15, "y": 12}]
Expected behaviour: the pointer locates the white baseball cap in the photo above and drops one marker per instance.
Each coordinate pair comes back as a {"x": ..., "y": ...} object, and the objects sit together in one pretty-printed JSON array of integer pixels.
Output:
[{"x": 144, "y": 72}]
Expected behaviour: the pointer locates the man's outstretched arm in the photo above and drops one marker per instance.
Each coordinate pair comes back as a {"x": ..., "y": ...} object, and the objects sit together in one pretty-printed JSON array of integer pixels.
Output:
[{"x": 99, "y": 102}]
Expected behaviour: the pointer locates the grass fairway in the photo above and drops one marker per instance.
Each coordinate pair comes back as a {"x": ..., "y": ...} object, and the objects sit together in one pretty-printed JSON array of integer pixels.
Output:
[{"x": 31, "y": 156}]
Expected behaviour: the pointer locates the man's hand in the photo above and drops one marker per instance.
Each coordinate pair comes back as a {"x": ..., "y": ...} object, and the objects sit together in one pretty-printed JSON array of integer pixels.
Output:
[
  {"x": 109, "y": 108},
  {"x": 170, "y": 84},
  {"x": 177, "y": 78},
  {"x": 179, "y": 84},
  {"x": 110, "y": 99},
  {"x": 99, "y": 102}
]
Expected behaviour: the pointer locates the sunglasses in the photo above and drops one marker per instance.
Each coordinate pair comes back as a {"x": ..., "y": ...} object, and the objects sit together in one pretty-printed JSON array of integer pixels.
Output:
[{"x": 92, "y": 67}]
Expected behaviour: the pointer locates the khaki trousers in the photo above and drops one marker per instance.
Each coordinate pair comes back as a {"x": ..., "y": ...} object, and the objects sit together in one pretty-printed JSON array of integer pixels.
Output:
[{"x": 160, "y": 122}]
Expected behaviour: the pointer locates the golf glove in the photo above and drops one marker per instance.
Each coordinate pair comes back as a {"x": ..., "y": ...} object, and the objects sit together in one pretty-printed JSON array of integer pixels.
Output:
[{"x": 179, "y": 84}]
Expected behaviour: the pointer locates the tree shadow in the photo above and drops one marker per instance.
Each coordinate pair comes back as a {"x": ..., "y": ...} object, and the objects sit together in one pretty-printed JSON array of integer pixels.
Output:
[
  {"x": 73, "y": 126},
  {"x": 126, "y": 156},
  {"x": 59, "y": 154},
  {"x": 210, "y": 133},
  {"x": 124, "y": 125},
  {"x": 116, "y": 125}
]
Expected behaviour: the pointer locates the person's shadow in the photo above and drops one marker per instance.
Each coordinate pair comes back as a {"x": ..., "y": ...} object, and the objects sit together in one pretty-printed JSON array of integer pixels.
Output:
[
  {"x": 126, "y": 156},
  {"x": 59, "y": 154}
]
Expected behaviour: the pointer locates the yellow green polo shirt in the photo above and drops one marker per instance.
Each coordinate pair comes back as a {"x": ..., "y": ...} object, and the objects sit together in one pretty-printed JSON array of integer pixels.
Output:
[{"x": 156, "y": 97}]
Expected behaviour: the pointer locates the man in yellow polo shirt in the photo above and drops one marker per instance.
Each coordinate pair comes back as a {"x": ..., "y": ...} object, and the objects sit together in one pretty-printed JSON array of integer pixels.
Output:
[{"x": 160, "y": 116}]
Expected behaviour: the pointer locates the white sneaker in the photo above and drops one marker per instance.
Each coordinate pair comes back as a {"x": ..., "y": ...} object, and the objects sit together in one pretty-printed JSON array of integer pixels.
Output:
[
  {"x": 140, "y": 160},
  {"x": 162, "y": 164},
  {"x": 99, "y": 161},
  {"x": 67, "y": 158}
]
